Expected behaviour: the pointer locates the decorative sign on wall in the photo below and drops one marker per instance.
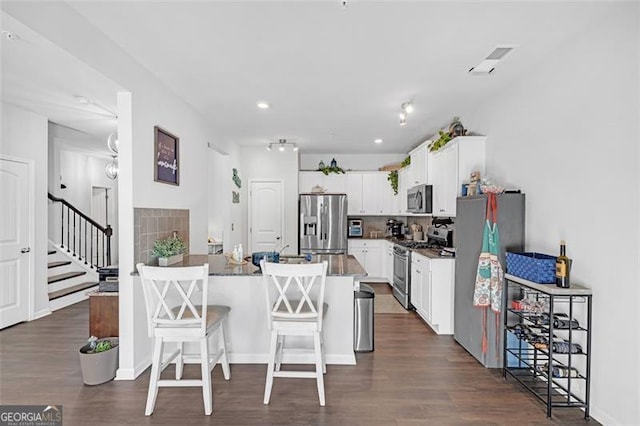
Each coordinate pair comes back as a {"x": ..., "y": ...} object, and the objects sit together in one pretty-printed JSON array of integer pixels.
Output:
[
  {"x": 235, "y": 197},
  {"x": 166, "y": 155},
  {"x": 236, "y": 178}
]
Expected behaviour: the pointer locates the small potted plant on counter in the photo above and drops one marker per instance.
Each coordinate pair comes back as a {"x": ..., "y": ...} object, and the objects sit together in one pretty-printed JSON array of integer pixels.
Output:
[
  {"x": 169, "y": 250},
  {"x": 99, "y": 360}
]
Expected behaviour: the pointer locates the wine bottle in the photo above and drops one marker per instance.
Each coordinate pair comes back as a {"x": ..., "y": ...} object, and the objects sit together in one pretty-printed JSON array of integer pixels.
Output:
[{"x": 563, "y": 266}]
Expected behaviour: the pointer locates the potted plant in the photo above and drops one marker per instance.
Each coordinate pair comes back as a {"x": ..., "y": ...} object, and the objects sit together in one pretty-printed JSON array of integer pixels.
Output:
[
  {"x": 99, "y": 360},
  {"x": 169, "y": 250}
]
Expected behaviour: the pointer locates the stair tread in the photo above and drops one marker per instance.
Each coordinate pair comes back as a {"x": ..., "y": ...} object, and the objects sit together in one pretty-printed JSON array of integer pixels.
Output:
[
  {"x": 58, "y": 263},
  {"x": 51, "y": 252},
  {"x": 65, "y": 276},
  {"x": 66, "y": 291}
]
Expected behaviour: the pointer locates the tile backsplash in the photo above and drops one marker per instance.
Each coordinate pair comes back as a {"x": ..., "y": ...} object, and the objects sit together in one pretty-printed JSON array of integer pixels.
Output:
[
  {"x": 153, "y": 224},
  {"x": 373, "y": 224}
]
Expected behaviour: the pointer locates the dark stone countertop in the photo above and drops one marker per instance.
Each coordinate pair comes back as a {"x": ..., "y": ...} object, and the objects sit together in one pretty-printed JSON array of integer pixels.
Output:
[{"x": 339, "y": 265}]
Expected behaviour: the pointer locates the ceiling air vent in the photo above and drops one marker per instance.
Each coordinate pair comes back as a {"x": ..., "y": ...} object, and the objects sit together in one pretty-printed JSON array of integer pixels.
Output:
[{"x": 487, "y": 66}]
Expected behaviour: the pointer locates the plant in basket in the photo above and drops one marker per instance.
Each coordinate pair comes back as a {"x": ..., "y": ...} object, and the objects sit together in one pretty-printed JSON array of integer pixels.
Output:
[{"x": 99, "y": 360}]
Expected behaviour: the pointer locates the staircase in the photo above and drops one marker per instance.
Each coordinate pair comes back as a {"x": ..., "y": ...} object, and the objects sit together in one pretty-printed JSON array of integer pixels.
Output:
[
  {"x": 69, "y": 280},
  {"x": 73, "y": 264}
]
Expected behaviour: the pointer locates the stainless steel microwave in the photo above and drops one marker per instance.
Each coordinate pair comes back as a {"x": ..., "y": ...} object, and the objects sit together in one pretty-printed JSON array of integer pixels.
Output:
[{"x": 420, "y": 199}]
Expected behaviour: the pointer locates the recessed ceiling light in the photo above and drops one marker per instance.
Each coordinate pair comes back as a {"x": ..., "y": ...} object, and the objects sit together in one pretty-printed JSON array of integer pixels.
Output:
[
  {"x": 262, "y": 105},
  {"x": 377, "y": 141}
]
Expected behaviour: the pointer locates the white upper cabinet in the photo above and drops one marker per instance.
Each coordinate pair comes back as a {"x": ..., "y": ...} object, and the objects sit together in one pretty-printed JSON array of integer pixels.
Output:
[
  {"x": 419, "y": 165},
  {"x": 333, "y": 182},
  {"x": 369, "y": 193},
  {"x": 403, "y": 185},
  {"x": 450, "y": 167}
]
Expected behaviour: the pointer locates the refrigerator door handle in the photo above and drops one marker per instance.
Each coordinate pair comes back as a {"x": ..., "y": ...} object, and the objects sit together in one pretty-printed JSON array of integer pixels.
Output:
[{"x": 320, "y": 222}]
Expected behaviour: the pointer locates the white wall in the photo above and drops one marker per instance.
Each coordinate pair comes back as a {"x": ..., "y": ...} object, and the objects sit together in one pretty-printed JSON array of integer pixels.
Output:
[
  {"x": 219, "y": 180},
  {"x": 24, "y": 136},
  {"x": 567, "y": 134},
  {"x": 351, "y": 161},
  {"x": 258, "y": 163},
  {"x": 147, "y": 104}
]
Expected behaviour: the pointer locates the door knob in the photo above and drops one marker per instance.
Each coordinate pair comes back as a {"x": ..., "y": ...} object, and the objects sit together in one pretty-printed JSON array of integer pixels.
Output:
[{"x": 25, "y": 250}]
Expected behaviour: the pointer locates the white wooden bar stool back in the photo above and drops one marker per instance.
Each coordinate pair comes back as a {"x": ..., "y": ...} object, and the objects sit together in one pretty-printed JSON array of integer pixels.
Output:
[
  {"x": 295, "y": 305},
  {"x": 177, "y": 311}
]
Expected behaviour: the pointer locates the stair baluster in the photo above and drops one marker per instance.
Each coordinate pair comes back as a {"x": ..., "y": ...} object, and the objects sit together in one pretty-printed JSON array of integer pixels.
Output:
[{"x": 100, "y": 246}]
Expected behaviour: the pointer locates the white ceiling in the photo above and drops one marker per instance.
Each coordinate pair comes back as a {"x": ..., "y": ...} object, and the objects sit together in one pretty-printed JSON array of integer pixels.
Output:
[{"x": 335, "y": 77}]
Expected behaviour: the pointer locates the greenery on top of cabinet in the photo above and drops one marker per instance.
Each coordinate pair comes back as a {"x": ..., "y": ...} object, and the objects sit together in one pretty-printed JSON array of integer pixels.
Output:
[
  {"x": 328, "y": 169},
  {"x": 406, "y": 162},
  {"x": 393, "y": 179},
  {"x": 444, "y": 138}
]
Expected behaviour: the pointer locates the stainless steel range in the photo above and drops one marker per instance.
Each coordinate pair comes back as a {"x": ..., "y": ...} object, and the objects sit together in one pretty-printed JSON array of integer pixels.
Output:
[
  {"x": 402, "y": 275},
  {"x": 439, "y": 241}
]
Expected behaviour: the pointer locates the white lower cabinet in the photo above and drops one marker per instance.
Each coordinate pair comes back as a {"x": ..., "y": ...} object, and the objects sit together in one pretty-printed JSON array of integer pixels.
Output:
[
  {"x": 369, "y": 254},
  {"x": 432, "y": 282},
  {"x": 388, "y": 262}
]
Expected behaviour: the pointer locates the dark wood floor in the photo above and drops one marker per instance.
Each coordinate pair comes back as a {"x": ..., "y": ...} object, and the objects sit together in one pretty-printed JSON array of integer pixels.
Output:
[{"x": 413, "y": 377}]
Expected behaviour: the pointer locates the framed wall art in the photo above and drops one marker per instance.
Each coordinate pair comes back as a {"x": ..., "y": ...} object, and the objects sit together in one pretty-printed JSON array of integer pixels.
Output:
[{"x": 167, "y": 157}]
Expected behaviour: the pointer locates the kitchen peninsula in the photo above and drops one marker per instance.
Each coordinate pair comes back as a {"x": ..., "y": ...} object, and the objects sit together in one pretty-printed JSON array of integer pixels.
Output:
[{"x": 241, "y": 287}]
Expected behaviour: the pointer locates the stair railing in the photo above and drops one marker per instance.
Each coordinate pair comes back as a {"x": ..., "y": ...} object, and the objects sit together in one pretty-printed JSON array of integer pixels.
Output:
[{"x": 82, "y": 236}]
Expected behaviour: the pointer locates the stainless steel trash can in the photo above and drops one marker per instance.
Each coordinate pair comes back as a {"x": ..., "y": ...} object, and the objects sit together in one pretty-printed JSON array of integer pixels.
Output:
[{"x": 363, "y": 319}]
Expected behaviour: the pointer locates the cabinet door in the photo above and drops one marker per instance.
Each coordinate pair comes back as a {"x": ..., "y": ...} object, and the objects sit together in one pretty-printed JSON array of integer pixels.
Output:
[
  {"x": 307, "y": 180},
  {"x": 335, "y": 183},
  {"x": 358, "y": 252},
  {"x": 386, "y": 198},
  {"x": 372, "y": 261},
  {"x": 426, "y": 298},
  {"x": 389, "y": 262},
  {"x": 403, "y": 185},
  {"x": 415, "y": 294},
  {"x": 445, "y": 181},
  {"x": 370, "y": 193},
  {"x": 419, "y": 165},
  {"x": 354, "y": 193},
  {"x": 450, "y": 180},
  {"x": 442, "y": 293},
  {"x": 438, "y": 164}
]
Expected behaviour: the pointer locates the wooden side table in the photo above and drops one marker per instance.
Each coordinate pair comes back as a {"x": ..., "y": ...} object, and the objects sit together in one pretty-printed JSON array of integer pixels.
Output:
[{"x": 103, "y": 314}]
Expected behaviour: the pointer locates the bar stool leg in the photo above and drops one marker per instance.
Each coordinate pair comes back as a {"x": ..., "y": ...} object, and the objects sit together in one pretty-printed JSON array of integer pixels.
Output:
[
  {"x": 156, "y": 364},
  {"x": 207, "y": 394},
  {"x": 270, "y": 367},
  {"x": 319, "y": 366}
]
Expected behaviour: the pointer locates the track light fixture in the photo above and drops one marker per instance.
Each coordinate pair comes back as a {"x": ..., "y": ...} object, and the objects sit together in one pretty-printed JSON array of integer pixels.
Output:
[
  {"x": 407, "y": 108},
  {"x": 282, "y": 145}
]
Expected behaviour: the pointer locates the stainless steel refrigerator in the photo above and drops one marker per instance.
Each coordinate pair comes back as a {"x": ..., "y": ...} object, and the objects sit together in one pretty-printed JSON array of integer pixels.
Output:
[
  {"x": 323, "y": 223},
  {"x": 469, "y": 225}
]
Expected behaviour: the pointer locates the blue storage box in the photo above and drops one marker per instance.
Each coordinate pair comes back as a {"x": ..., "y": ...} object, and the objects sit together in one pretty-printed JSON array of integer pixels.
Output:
[{"x": 536, "y": 267}]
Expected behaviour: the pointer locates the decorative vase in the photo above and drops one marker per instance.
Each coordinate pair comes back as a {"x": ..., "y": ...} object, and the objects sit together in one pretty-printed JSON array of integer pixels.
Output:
[
  {"x": 101, "y": 367},
  {"x": 166, "y": 261}
]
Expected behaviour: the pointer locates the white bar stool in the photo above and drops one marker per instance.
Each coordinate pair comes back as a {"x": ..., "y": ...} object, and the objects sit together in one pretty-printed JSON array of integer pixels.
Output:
[
  {"x": 177, "y": 311},
  {"x": 295, "y": 308}
]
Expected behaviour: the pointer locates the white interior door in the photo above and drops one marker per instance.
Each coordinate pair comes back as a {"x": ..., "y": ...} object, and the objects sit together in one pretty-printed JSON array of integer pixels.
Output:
[
  {"x": 265, "y": 215},
  {"x": 99, "y": 211},
  {"x": 15, "y": 255}
]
